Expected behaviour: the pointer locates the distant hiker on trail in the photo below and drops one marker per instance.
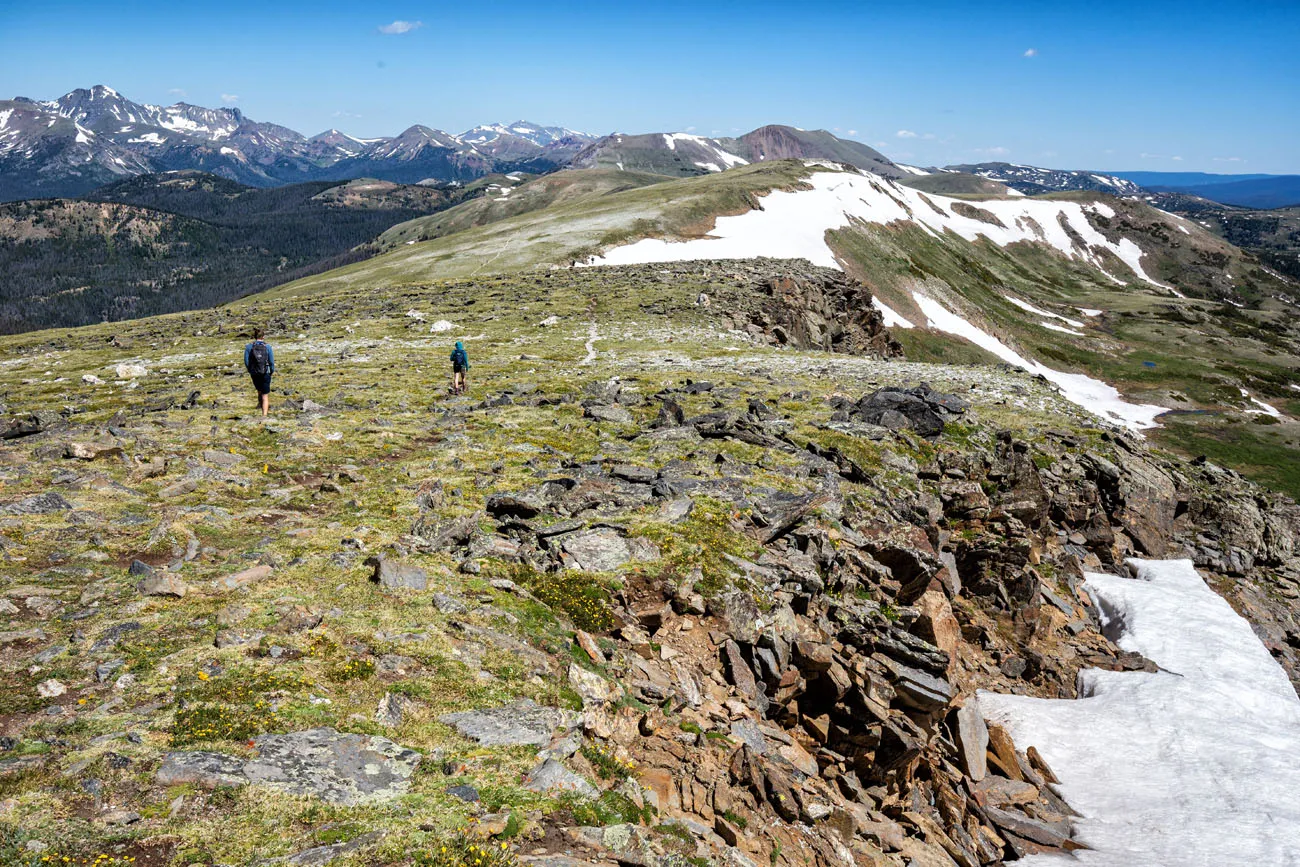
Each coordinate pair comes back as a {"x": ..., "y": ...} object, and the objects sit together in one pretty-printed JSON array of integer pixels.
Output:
[
  {"x": 259, "y": 361},
  {"x": 459, "y": 367}
]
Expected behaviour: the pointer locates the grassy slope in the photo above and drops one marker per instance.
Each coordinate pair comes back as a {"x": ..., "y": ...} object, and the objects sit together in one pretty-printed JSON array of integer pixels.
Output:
[
  {"x": 381, "y": 378},
  {"x": 1203, "y": 350},
  {"x": 565, "y": 232},
  {"x": 560, "y": 188}
]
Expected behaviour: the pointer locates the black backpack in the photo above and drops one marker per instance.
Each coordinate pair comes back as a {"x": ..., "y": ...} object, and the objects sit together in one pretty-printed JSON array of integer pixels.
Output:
[
  {"x": 259, "y": 359},
  {"x": 460, "y": 358}
]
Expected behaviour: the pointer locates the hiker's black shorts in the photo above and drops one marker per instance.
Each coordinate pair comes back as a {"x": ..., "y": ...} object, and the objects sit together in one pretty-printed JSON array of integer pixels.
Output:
[
  {"x": 456, "y": 368},
  {"x": 261, "y": 382}
]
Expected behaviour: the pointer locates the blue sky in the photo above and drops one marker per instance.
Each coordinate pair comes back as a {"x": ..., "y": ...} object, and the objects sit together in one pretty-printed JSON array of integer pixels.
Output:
[{"x": 1159, "y": 86}]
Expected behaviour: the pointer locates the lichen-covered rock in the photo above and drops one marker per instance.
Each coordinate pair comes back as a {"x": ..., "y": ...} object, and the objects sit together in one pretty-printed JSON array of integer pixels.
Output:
[
  {"x": 336, "y": 767},
  {"x": 519, "y": 723}
]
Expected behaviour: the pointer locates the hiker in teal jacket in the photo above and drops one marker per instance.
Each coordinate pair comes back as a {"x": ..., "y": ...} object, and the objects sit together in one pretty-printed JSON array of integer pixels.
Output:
[{"x": 459, "y": 368}]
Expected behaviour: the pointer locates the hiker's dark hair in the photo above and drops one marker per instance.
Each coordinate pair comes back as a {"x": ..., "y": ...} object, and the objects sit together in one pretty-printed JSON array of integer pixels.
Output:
[{"x": 258, "y": 334}]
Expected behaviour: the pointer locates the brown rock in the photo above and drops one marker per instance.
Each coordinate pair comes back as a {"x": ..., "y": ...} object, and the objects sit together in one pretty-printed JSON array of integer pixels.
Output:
[
  {"x": 819, "y": 727},
  {"x": 179, "y": 489},
  {"x": 1037, "y": 762},
  {"x": 739, "y": 672},
  {"x": 244, "y": 578},
  {"x": 999, "y": 791},
  {"x": 938, "y": 626},
  {"x": 162, "y": 584},
  {"x": 589, "y": 645},
  {"x": 1004, "y": 750},
  {"x": 934, "y": 833}
]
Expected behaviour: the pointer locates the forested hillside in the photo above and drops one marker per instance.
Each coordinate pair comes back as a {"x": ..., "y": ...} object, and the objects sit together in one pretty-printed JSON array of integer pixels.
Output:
[{"x": 182, "y": 241}]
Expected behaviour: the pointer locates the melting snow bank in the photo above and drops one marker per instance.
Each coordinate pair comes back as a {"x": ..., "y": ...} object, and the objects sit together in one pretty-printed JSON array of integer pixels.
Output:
[
  {"x": 1195, "y": 768},
  {"x": 889, "y": 315},
  {"x": 793, "y": 224},
  {"x": 1092, "y": 394}
]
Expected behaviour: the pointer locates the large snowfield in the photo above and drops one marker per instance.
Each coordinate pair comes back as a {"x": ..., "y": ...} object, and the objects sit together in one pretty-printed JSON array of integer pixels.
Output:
[
  {"x": 1197, "y": 765},
  {"x": 793, "y": 225}
]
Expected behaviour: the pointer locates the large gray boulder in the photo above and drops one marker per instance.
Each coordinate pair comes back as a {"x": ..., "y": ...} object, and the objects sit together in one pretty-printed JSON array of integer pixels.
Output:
[{"x": 337, "y": 767}]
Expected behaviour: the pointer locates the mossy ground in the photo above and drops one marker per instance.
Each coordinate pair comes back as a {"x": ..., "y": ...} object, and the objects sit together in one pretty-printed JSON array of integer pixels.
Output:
[{"x": 385, "y": 430}]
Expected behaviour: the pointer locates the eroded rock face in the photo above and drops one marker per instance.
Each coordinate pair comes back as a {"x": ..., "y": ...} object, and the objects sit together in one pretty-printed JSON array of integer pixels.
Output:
[{"x": 820, "y": 308}]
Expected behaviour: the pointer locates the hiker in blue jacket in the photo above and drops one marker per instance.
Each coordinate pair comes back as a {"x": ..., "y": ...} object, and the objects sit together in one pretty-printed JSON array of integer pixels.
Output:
[
  {"x": 259, "y": 361},
  {"x": 459, "y": 367}
]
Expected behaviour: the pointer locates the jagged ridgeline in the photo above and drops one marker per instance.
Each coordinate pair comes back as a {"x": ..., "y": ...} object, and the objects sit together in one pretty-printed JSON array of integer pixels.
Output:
[{"x": 701, "y": 571}]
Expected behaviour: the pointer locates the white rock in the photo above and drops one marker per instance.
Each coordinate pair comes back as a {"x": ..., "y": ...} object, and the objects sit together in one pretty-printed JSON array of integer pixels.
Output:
[
  {"x": 91, "y": 379},
  {"x": 131, "y": 371},
  {"x": 416, "y": 315},
  {"x": 124, "y": 682},
  {"x": 50, "y": 688},
  {"x": 440, "y": 326},
  {"x": 549, "y": 321}
]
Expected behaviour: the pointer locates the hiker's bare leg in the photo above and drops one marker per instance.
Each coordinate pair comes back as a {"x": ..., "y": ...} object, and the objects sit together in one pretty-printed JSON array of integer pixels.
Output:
[{"x": 264, "y": 400}]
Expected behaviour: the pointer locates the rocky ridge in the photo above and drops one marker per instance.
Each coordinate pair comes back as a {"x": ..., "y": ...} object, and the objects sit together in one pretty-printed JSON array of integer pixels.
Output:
[{"x": 674, "y": 584}]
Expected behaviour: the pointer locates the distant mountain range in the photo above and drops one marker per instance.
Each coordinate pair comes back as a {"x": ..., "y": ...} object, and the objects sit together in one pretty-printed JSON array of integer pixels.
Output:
[
  {"x": 1246, "y": 191},
  {"x": 87, "y": 138}
]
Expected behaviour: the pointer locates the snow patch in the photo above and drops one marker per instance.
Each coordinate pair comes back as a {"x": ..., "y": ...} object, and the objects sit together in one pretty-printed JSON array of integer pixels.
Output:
[
  {"x": 1093, "y": 395},
  {"x": 1061, "y": 328},
  {"x": 147, "y": 138},
  {"x": 1191, "y": 766},
  {"x": 912, "y": 170},
  {"x": 1089, "y": 311},
  {"x": 1026, "y": 306},
  {"x": 792, "y": 224},
  {"x": 1264, "y": 408},
  {"x": 890, "y": 316}
]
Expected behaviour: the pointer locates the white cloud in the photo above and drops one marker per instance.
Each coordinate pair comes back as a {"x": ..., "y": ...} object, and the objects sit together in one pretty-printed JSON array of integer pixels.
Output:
[
  {"x": 905, "y": 133},
  {"x": 397, "y": 28},
  {"x": 853, "y": 132},
  {"x": 178, "y": 91},
  {"x": 996, "y": 151},
  {"x": 1177, "y": 159},
  {"x": 929, "y": 136},
  {"x": 1031, "y": 52},
  {"x": 1229, "y": 160},
  {"x": 342, "y": 113},
  {"x": 229, "y": 97},
  {"x": 690, "y": 129}
]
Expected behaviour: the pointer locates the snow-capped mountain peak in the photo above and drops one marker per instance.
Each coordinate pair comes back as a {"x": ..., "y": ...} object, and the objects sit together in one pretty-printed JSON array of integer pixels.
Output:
[{"x": 531, "y": 132}]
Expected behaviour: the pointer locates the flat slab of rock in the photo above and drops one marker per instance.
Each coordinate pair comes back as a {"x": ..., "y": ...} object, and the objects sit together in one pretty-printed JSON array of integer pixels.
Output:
[
  {"x": 38, "y": 504},
  {"x": 614, "y": 414},
  {"x": 519, "y": 723},
  {"x": 396, "y": 575},
  {"x": 162, "y": 584},
  {"x": 336, "y": 767}
]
